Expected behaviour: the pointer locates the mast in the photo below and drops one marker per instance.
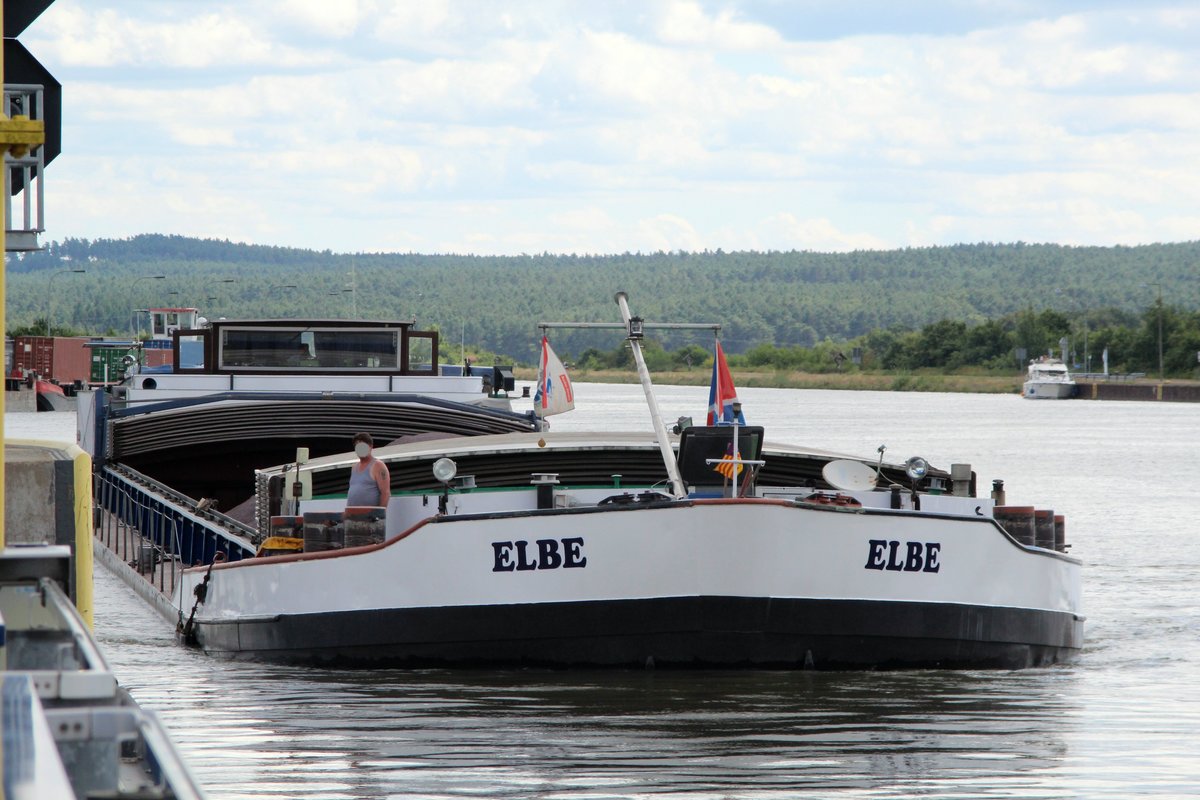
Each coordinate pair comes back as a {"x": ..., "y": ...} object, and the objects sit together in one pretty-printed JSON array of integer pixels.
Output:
[{"x": 634, "y": 327}]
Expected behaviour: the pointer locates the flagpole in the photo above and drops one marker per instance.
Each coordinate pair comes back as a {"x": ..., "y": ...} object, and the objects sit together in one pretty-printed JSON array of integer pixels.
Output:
[
  {"x": 660, "y": 430},
  {"x": 737, "y": 454},
  {"x": 542, "y": 425}
]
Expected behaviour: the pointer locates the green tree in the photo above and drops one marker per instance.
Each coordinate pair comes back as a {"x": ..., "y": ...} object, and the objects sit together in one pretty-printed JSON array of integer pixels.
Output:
[{"x": 939, "y": 344}]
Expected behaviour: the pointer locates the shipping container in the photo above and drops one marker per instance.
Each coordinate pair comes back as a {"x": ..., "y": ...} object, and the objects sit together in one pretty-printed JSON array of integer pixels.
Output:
[
  {"x": 62, "y": 359},
  {"x": 109, "y": 358},
  {"x": 157, "y": 357},
  {"x": 108, "y": 361}
]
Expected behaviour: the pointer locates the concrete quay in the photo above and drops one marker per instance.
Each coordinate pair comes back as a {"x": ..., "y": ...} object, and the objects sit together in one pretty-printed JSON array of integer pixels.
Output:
[
  {"x": 1165, "y": 391},
  {"x": 20, "y": 400}
]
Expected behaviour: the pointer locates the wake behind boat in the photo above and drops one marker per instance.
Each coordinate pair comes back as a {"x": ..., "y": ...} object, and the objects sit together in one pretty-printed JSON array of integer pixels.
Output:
[{"x": 704, "y": 547}]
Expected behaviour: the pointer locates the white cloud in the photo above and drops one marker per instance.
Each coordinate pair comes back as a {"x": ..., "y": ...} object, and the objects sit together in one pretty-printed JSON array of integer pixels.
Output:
[
  {"x": 607, "y": 127},
  {"x": 322, "y": 18},
  {"x": 81, "y": 37},
  {"x": 668, "y": 232},
  {"x": 424, "y": 25},
  {"x": 785, "y": 231},
  {"x": 687, "y": 23}
]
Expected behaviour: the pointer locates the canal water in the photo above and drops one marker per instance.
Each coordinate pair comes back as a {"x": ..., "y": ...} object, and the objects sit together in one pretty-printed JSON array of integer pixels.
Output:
[{"x": 1122, "y": 720}]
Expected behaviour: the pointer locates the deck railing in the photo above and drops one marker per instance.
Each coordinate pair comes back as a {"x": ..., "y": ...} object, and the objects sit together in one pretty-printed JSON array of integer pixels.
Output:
[{"x": 158, "y": 532}]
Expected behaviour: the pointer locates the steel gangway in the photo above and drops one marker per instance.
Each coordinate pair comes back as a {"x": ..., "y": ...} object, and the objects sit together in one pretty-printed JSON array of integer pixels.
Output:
[{"x": 147, "y": 527}]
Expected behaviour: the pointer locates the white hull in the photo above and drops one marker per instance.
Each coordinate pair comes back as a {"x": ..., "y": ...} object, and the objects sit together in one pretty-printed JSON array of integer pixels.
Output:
[
  {"x": 750, "y": 581},
  {"x": 1049, "y": 390},
  {"x": 1048, "y": 379}
]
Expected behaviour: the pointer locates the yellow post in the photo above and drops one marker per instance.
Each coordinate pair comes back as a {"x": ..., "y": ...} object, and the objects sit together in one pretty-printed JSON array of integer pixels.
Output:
[
  {"x": 17, "y": 136},
  {"x": 3, "y": 299},
  {"x": 84, "y": 534}
]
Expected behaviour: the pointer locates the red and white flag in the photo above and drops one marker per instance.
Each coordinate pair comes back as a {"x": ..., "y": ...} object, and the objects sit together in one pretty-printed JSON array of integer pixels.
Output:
[
  {"x": 721, "y": 394},
  {"x": 554, "y": 394}
]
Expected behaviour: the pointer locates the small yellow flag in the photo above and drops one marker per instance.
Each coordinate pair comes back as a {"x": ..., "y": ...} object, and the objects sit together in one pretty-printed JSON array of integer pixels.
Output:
[{"x": 727, "y": 467}]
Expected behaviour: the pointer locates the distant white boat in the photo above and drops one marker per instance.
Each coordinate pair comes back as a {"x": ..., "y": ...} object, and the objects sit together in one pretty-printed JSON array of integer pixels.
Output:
[{"x": 1048, "y": 379}]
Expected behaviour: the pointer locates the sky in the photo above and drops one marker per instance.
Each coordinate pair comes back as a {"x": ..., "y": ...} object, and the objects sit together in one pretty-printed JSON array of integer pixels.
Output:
[{"x": 491, "y": 127}]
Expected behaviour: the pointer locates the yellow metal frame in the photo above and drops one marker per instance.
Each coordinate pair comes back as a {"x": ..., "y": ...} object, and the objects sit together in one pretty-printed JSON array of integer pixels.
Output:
[
  {"x": 20, "y": 134},
  {"x": 17, "y": 136}
]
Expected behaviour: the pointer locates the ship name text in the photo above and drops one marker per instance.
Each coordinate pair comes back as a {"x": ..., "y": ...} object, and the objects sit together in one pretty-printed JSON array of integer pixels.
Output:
[
  {"x": 521, "y": 556},
  {"x": 895, "y": 556}
]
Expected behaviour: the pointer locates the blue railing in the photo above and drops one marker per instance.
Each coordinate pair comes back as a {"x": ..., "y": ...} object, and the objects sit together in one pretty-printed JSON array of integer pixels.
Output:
[{"x": 158, "y": 532}]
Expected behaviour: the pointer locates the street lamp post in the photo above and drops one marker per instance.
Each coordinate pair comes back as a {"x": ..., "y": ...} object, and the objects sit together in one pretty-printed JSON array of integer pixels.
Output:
[
  {"x": 1079, "y": 306},
  {"x": 137, "y": 322},
  {"x": 137, "y": 312},
  {"x": 223, "y": 294},
  {"x": 1159, "y": 329},
  {"x": 1087, "y": 358},
  {"x": 343, "y": 292},
  {"x": 283, "y": 286},
  {"x": 50, "y": 290}
]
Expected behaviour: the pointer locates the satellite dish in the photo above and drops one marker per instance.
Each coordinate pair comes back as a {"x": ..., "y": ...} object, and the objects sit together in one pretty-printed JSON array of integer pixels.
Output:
[{"x": 849, "y": 476}]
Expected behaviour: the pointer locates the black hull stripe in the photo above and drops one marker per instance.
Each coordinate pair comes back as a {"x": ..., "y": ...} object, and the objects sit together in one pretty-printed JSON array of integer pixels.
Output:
[{"x": 672, "y": 632}]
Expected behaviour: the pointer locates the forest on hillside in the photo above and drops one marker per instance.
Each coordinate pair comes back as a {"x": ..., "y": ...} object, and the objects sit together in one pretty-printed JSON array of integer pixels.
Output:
[{"x": 786, "y": 301}]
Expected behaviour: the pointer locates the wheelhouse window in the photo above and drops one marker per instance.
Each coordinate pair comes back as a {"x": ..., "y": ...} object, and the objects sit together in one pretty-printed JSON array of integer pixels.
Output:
[
  {"x": 421, "y": 347},
  {"x": 191, "y": 351},
  {"x": 341, "y": 349}
]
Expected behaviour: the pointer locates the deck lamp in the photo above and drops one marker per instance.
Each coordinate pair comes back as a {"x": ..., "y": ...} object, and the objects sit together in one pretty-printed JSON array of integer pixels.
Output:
[
  {"x": 916, "y": 468},
  {"x": 444, "y": 469}
]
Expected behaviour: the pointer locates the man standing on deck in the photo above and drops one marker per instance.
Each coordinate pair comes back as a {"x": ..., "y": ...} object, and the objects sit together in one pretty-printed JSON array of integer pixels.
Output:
[{"x": 370, "y": 481}]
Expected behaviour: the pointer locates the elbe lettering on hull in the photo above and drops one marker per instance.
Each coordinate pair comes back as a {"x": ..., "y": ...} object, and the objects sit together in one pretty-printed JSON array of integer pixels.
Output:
[
  {"x": 895, "y": 556},
  {"x": 521, "y": 556}
]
